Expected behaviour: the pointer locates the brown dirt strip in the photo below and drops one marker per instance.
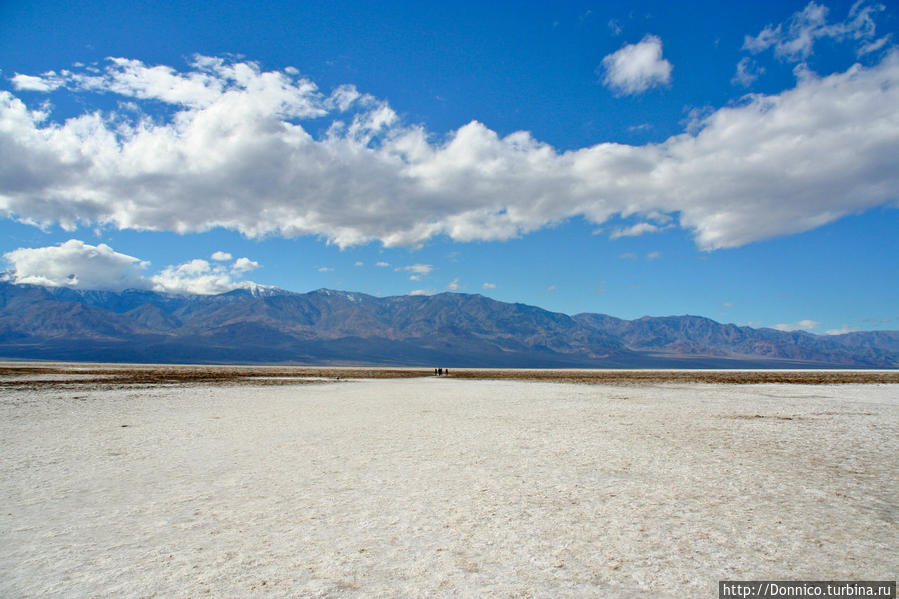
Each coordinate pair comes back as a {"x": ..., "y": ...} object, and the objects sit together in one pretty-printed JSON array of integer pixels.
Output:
[
  {"x": 29, "y": 375},
  {"x": 111, "y": 376},
  {"x": 727, "y": 377}
]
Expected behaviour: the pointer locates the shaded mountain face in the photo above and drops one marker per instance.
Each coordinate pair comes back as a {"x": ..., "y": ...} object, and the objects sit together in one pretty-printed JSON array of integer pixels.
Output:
[
  {"x": 695, "y": 335},
  {"x": 448, "y": 329}
]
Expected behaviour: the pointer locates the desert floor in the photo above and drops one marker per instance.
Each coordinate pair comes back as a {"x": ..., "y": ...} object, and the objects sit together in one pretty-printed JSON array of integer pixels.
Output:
[{"x": 277, "y": 484}]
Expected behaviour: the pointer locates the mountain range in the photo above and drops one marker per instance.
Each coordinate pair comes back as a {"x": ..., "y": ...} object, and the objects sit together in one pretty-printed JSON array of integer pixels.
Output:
[{"x": 269, "y": 325}]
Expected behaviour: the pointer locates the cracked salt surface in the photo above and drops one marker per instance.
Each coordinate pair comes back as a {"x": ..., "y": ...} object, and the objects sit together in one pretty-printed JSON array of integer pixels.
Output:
[{"x": 440, "y": 487}]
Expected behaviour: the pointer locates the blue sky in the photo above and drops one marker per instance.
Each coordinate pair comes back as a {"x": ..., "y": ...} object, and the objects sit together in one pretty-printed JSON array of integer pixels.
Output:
[{"x": 735, "y": 161}]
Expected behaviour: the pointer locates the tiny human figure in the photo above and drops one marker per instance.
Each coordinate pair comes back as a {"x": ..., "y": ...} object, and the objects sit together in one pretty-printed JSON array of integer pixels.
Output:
[
  {"x": 446, "y": 371},
  {"x": 440, "y": 372},
  {"x": 435, "y": 372}
]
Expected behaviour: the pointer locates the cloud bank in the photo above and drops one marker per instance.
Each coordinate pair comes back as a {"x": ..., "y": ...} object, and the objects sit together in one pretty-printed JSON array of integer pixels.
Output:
[
  {"x": 78, "y": 265},
  {"x": 227, "y": 144}
]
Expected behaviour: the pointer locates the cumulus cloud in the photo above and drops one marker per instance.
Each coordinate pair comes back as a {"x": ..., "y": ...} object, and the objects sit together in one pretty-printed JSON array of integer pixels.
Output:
[
  {"x": 382, "y": 264},
  {"x": 802, "y": 325},
  {"x": 233, "y": 153},
  {"x": 199, "y": 277},
  {"x": 221, "y": 256},
  {"x": 244, "y": 265},
  {"x": 202, "y": 278},
  {"x": 79, "y": 265},
  {"x": 76, "y": 264},
  {"x": 488, "y": 286},
  {"x": 454, "y": 285},
  {"x": 636, "y": 68},
  {"x": 795, "y": 39},
  {"x": 421, "y": 292}
]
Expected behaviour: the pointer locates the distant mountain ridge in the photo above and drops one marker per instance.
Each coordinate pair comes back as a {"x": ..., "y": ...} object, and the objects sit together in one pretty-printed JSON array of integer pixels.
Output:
[{"x": 265, "y": 324}]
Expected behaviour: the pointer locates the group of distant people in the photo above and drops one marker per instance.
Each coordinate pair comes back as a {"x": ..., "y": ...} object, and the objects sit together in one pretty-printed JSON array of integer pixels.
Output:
[{"x": 441, "y": 371}]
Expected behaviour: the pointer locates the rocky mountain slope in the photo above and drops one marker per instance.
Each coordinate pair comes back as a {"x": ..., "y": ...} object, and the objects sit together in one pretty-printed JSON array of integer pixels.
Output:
[{"x": 448, "y": 329}]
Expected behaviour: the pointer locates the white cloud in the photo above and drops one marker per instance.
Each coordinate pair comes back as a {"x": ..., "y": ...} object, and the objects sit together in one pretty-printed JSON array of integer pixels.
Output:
[
  {"x": 244, "y": 265},
  {"x": 78, "y": 265},
  {"x": 488, "y": 286},
  {"x": 419, "y": 269},
  {"x": 841, "y": 331},
  {"x": 221, "y": 256},
  {"x": 635, "y": 230},
  {"x": 198, "y": 277},
  {"x": 45, "y": 83},
  {"x": 802, "y": 325},
  {"x": 795, "y": 39},
  {"x": 421, "y": 292},
  {"x": 324, "y": 269},
  {"x": 201, "y": 277},
  {"x": 659, "y": 217},
  {"x": 747, "y": 72},
  {"x": 454, "y": 285},
  {"x": 696, "y": 117},
  {"x": 549, "y": 289},
  {"x": 628, "y": 256},
  {"x": 654, "y": 255},
  {"x": 194, "y": 267},
  {"x": 359, "y": 263},
  {"x": 234, "y": 154},
  {"x": 382, "y": 264},
  {"x": 344, "y": 96},
  {"x": 875, "y": 45},
  {"x": 635, "y": 68}
]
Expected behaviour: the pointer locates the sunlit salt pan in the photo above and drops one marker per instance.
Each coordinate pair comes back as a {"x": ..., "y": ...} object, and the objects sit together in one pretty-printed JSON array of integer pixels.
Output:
[{"x": 440, "y": 487}]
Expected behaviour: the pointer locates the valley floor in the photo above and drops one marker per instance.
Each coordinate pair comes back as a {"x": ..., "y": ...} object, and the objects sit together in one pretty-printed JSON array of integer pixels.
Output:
[{"x": 424, "y": 487}]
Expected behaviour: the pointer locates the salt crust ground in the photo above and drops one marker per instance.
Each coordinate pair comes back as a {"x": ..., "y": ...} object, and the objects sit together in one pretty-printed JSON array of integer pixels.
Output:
[{"x": 443, "y": 488}]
